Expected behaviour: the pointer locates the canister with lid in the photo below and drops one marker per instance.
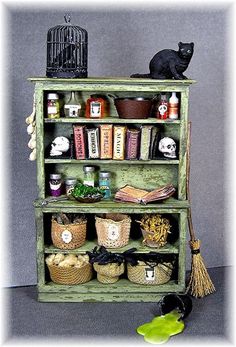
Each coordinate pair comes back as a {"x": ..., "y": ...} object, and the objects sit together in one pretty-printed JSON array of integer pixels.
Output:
[
  {"x": 55, "y": 184},
  {"x": 104, "y": 183},
  {"x": 89, "y": 175},
  {"x": 70, "y": 182},
  {"x": 53, "y": 105}
]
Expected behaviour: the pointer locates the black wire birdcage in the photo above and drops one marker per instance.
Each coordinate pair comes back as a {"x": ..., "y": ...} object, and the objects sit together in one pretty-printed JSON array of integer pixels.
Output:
[{"x": 67, "y": 51}]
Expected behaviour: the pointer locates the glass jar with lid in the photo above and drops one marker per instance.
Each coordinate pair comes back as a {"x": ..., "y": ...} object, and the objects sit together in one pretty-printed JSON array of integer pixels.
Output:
[
  {"x": 104, "y": 183},
  {"x": 55, "y": 184},
  {"x": 70, "y": 183},
  {"x": 53, "y": 106},
  {"x": 89, "y": 175}
]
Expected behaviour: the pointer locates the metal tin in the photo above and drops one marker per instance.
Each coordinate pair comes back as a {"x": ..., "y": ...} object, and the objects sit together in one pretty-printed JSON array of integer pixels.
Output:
[{"x": 70, "y": 182}]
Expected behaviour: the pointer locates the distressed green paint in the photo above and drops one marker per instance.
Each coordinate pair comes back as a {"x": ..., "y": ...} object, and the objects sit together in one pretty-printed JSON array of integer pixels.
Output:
[
  {"x": 105, "y": 297},
  {"x": 89, "y": 245},
  {"x": 110, "y": 161},
  {"x": 146, "y": 174},
  {"x": 183, "y": 145},
  {"x": 40, "y": 139},
  {"x": 121, "y": 286},
  {"x": 171, "y": 205},
  {"x": 142, "y": 176},
  {"x": 182, "y": 247},
  {"x": 40, "y": 246},
  {"x": 112, "y": 120}
]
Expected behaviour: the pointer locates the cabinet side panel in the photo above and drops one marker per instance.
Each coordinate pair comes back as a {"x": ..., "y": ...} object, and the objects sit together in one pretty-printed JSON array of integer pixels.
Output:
[
  {"x": 40, "y": 246},
  {"x": 183, "y": 145},
  {"x": 40, "y": 140},
  {"x": 182, "y": 247}
]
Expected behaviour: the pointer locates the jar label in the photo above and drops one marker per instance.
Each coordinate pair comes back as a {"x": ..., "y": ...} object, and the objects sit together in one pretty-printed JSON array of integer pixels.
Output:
[
  {"x": 95, "y": 109},
  {"x": 55, "y": 186},
  {"x": 66, "y": 236},
  {"x": 73, "y": 110},
  {"x": 113, "y": 232},
  {"x": 149, "y": 274},
  {"x": 52, "y": 109},
  {"x": 89, "y": 183}
]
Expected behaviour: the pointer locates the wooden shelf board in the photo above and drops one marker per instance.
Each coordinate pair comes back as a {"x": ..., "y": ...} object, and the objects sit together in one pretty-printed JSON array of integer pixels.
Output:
[
  {"x": 110, "y": 161},
  {"x": 122, "y": 286},
  {"x": 113, "y": 79},
  {"x": 171, "y": 204},
  {"x": 110, "y": 120},
  {"x": 89, "y": 245}
]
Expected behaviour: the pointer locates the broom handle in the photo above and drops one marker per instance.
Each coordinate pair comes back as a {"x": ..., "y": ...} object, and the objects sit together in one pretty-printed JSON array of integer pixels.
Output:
[{"x": 190, "y": 222}]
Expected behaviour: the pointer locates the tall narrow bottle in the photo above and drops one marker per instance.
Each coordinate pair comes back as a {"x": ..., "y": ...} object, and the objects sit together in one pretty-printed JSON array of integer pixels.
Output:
[{"x": 173, "y": 106}]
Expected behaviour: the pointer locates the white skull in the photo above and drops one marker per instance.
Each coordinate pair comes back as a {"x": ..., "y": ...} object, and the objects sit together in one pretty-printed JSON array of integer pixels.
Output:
[
  {"x": 59, "y": 145},
  {"x": 167, "y": 146},
  {"x": 162, "y": 109}
]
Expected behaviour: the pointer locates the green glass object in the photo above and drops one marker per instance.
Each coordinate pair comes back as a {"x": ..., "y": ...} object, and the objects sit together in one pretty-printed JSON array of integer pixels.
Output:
[{"x": 161, "y": 328}]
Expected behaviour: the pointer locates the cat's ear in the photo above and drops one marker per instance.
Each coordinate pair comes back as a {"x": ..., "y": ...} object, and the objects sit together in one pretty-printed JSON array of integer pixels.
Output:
[
  {"x": 180, "y": 44},
  {"x": 192, "y": 44}
]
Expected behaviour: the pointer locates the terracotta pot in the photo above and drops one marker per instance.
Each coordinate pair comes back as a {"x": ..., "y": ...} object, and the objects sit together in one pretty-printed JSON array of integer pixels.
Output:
[{"x": 133, "y": 108}]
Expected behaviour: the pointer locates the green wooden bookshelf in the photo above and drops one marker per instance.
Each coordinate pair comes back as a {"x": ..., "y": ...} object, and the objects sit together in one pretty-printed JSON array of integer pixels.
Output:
[{"x": 147, "y": 174}]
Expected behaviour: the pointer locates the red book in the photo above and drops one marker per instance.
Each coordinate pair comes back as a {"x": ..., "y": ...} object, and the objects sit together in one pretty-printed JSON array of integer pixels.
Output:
[
  {"x": 79, "y": 140},
  {"x": 132, "y": 143}
]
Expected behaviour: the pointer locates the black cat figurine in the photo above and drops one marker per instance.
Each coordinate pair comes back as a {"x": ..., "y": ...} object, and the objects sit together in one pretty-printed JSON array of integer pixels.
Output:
[{"x": 169, "y": 64}]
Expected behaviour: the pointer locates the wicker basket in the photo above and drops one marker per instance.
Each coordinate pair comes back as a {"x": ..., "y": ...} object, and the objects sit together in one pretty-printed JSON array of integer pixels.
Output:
[
  {"x": 149, "y": 274},
  {"x": 113, "y": 231},
  {"x": 109, "y": 273},
  {"x": 69, "y": 236},
  {"x": 70, "y": 275}
]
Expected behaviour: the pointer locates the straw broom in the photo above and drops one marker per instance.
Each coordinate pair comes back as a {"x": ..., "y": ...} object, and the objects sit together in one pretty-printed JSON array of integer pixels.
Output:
[{"x": 200, "y": 283}]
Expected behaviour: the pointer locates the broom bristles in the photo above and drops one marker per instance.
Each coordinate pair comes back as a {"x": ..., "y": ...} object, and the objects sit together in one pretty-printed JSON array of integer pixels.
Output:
[{"x": 200, "y": 283}]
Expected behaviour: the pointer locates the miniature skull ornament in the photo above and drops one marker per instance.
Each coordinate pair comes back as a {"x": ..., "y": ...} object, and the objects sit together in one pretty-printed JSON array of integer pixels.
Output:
[
  {"x": 162, "y": 110},
  {"x": 59, "y": 145},
  {"x": 167, "y": 147}
]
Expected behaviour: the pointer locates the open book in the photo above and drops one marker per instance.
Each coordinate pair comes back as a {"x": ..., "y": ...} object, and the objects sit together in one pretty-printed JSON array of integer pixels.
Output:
[{"x": 140, "y": 196}]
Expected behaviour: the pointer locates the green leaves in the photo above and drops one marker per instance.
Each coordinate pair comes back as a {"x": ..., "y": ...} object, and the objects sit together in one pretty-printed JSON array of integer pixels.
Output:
[
  {"x": 160, "y": 329},
  {"x": 82, "y": 191}
]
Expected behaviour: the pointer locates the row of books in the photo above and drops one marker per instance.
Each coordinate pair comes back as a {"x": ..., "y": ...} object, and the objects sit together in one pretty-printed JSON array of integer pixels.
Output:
[{"x": 108, "y": 141}]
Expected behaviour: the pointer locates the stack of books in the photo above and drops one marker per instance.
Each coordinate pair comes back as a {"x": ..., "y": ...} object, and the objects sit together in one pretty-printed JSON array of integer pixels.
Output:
[{"x": 117, "y": 142}]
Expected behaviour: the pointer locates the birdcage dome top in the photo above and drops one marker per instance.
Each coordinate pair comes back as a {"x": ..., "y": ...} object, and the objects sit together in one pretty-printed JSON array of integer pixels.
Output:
[{"x": 67, "y": 50}]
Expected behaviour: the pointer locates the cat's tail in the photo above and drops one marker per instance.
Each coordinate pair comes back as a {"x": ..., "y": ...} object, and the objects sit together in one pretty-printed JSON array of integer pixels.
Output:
[{"x": 138, "y": 75}]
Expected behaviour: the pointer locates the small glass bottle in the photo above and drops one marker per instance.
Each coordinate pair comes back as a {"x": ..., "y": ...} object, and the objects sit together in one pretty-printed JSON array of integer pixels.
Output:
[
  {"x": 70, "y": 182},
  {"x": 163, "y": 108},
  {"x": 73, "y": 107},
  {"x": 53, "y": 106},
  {"x": 55, "y": 184},
  {"x": 96, "y": 107},
  {"x": 173, "y": 106},
  {"x": 89, "y": 175},
  {"x": 104, "y": 183}
]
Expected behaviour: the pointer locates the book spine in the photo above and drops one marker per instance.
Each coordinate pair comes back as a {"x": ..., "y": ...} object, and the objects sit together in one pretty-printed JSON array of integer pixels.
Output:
[
  {"x": 119, "y": 143},
  {"x": 93, "y": 143},
  {"x": 145, "y": 142},
  {"x": 79, "y": 141},
  {"x": 106, "y": 141},
  {"x": 152, "y": 144},
  {"x": 132, "y": 144}
]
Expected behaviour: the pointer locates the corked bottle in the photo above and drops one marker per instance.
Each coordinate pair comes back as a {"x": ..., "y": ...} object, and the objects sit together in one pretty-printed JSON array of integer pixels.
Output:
[
  {"x": 163, "y": 108},
  {"x": 173, "y": 106}
]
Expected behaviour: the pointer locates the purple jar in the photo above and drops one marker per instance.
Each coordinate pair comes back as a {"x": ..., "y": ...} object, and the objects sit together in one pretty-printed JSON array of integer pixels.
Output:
[{"x": 55, "y": 184}]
